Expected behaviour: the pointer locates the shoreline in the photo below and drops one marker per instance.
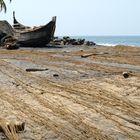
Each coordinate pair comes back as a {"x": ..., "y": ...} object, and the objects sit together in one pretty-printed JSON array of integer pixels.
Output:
[{"x": 112, "y": 40}]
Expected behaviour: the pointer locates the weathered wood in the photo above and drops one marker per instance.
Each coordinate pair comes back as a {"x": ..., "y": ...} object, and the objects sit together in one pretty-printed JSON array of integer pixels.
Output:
[
  {"x": 87, "y": 55},
  {"x": 37, "y": 37},
  {"x": 35, "y": 69},
  {"x": 30, "y": 38}
]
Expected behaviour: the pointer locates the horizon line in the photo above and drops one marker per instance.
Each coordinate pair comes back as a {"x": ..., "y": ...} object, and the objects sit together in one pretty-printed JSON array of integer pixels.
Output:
[{"x": 102, "y": 35}]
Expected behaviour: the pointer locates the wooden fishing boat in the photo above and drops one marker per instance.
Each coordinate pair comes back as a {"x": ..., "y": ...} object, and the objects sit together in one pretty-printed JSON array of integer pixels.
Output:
[
  {"x": 37, "y": 37},
  {"x": 29, "y": 37},
  {"x": 34, "y": 37}
]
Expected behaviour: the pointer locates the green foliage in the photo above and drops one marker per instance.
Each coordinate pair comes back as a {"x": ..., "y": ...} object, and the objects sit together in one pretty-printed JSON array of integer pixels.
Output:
[{"x": 3, "y": 5}]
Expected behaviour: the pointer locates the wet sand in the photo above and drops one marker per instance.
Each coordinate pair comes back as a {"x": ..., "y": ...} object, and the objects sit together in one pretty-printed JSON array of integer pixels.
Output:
[{"x": 80, "y": 94}]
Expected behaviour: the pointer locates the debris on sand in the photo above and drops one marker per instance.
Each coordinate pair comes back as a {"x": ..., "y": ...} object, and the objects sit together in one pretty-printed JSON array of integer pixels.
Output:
[
  {"x": 87, "y": 98},
  {"x": 35, "y": 69},
  {"x": 10, "y": 128},
  {"x": 9, "y": 43},
  {"x": 86, "y": 55},
  {"x": 55, "y": 75},
  {"x": 126, "y": 74}
]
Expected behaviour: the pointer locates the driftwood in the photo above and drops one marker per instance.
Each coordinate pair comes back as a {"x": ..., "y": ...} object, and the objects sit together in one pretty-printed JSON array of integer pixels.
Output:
[
  {"x": 90, "y": 54},
  {"x": 87, "y": 55},
  {"x": 35, "y": 69},
  {"x": 55, "y": 75}
]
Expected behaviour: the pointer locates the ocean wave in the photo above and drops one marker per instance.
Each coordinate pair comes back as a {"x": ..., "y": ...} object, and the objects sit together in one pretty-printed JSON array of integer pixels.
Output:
[{"x": 107, "y": 44}]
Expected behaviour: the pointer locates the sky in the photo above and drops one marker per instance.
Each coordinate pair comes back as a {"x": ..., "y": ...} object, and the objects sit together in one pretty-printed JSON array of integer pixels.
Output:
[{"x": 79, "y": 17}]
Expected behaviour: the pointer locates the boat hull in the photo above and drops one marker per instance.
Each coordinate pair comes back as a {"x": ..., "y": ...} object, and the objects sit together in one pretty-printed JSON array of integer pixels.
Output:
[
  {"x": 28, "y": 37},
  {"x": 38, "y": 37}
]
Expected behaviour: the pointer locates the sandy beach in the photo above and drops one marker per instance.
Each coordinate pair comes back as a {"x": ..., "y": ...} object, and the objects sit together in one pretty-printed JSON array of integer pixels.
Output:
[{"x": 74, "y": 92}]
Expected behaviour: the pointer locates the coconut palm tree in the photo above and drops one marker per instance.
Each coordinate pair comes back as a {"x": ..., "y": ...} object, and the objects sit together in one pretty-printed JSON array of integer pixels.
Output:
[{"x": 3, "y": 5}]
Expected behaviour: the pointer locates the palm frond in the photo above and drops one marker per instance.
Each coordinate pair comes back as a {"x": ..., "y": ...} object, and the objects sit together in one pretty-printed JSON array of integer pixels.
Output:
[{"x": 3, "y": 5}]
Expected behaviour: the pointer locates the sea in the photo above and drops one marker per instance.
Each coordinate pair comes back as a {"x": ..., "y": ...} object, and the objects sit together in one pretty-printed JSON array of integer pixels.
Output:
[{"x": 112, "y": 40}]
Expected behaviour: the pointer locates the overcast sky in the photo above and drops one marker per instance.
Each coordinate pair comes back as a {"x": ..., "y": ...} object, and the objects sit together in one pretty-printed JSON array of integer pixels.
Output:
[{"x": 79, "y": 17}]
